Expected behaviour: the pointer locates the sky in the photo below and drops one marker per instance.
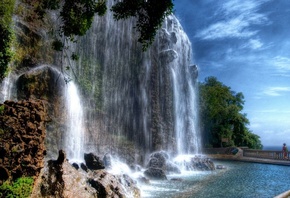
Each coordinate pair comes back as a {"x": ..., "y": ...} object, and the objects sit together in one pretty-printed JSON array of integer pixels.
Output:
[{"x": 246, "y": 45}]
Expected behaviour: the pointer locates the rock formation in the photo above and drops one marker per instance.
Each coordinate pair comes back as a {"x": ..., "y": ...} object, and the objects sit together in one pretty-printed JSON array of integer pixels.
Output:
[
  {"x": 62, "y": 180},
  {"x": 22, "y": 134}
]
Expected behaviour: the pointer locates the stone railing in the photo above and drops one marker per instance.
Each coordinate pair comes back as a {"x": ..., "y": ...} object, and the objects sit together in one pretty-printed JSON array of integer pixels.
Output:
[{"x": 264, "y": 154}]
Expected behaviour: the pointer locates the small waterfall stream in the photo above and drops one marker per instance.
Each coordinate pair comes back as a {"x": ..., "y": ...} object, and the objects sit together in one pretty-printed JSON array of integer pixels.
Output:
[
  {"x": 7, "y": 88},
  {"x": 74, "y": 139}
]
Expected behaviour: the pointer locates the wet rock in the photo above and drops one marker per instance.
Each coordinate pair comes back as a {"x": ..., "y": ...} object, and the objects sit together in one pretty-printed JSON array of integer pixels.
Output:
[
  {"x": 93, "y": 162},
  {"x": 172, "y": 168},
  {"x": 84, "y": 167},
  {"x": 176, "y": 179},
  {"x": 160, "y": 160},
  {"x": 61, "y": 157},
  {"x": 193, "y": 71},
  {"x": 63, "y": 180},
  {"x": 155, "y": 174},
  {"x": 76, "y": 166},
  {"x": 108, "y": 185},
  {"x": 199, "y": 163},
  {"x": 143, "y": 180},
  {"x": 135, "y": 167},
  {"x": 107, "y": 161}
]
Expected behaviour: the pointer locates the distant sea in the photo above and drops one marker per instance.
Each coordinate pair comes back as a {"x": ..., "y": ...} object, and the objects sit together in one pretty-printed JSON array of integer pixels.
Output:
[{"x": 273, "y": 148}]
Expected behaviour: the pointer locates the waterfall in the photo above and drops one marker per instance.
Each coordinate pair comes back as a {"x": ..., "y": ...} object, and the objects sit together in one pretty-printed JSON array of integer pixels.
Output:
[
  {"x": 184, "y": 89},
  {"x": 179, "y": 105},
  {"x": 145, "y": 100},
  {"x": 7, "y": 88},
  {"x": 74, "y": 139}
]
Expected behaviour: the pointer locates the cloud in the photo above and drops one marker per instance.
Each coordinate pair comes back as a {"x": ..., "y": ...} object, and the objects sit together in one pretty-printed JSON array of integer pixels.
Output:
[
  {"x": 276, "y": 91},
  {"x": 281, "y": 63},
  {"x": 235, "y": 20},
  {"x": 253, "y": 44}
]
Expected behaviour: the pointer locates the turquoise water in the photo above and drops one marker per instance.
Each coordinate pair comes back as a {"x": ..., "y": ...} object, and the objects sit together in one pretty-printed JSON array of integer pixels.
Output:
[{"x": 238, "y": 180}]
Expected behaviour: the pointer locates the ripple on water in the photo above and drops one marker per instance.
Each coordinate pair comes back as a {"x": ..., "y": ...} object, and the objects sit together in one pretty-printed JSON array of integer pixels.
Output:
[{"x": 240, "y": 179}]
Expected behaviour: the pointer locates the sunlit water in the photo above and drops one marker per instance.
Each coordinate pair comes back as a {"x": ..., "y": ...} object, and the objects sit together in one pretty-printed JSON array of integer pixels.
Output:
[
  {"x": 239, "y": 180},
  {"x": 75, "y": 136}
]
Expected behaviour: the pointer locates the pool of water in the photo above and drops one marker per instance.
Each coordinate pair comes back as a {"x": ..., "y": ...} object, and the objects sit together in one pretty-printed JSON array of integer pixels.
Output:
[{"x": 239, "y": 179}]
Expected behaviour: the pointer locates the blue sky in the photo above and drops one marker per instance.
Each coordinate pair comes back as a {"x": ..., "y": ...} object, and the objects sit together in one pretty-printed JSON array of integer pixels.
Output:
[{"x": 246, "y": 45}]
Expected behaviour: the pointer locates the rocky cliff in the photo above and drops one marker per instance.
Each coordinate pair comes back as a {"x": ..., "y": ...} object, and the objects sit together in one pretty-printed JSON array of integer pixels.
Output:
[
  {"x": 133, "y": 102},
  {"x": 22, "y": 135}
]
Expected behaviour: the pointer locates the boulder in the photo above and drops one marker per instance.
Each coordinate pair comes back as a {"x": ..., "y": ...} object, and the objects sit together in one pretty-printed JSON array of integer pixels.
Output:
[
  {"x": 155, "y": 174},
  {"x": 63, "y": 180},
  {"x": 160, "y": 160},
  {"x": 107, "y": 161},
  {"x": 93, "y": 162},
  {"x": 200, "y": 163},
  {"x": 108, "y": 185}
]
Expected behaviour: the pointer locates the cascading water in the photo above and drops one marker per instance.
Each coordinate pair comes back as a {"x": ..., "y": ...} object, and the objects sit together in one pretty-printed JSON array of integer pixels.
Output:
[
  {"x": 7, "y": 88},
  {"x": 144, "y": 98},
  {"x": 74, "y": 139},
  {"x": 184, "y": 91}
]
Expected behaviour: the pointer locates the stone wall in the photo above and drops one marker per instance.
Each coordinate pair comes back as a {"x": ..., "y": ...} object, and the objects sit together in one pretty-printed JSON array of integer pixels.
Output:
[{"x": 22, "y": 134}]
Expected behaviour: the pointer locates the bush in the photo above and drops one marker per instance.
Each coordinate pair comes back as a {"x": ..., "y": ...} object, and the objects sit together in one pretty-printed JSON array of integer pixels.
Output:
[
  {"x": 6, "y": 35},
  {"x": 21, "y": 188}
]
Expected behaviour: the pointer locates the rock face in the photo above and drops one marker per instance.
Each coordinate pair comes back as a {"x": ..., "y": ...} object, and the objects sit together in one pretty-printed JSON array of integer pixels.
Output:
[
  {"x": 47, "y": 84},
  {"x": 155, "y": 174},
  {"x": 22, "y": 133},
  {"x": 197, "y": 163},
  {"x": 60, "y": 179},
  {"x": 161, "y": 160}
]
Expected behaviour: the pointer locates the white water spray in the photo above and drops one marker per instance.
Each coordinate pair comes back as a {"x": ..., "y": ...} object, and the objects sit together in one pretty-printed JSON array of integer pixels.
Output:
[
  {"x": 6, "y": 88},
  {"x": 184, "y": 92},
  {"x": 74, "y": 140}
]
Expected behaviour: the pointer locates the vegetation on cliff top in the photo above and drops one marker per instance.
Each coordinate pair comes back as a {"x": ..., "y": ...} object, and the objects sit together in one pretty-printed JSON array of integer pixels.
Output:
[
  {"x": 150, "y": 15},
  {"x": 222, "y": 120},
  {"x": 6, "y": 35}
]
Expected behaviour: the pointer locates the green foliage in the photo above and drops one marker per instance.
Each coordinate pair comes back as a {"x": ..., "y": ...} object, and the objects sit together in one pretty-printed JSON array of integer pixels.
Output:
[
  {"x": 77, "y": 15},
  {"x": 101, "y": 8},
  {"x": 1, "y": 132},
  {"x": 6, "y": 35},
  {"x": 1, "y": 109},
  {"x": 90, "y": 81},
  {"x": 50, "y": 4},
  {"x": 57, "y": 45},
  {"x": 150, "y": 15},
  {"x": 74, "y": 57},
  {"x": 21, "y": 188},
  {"x": 221, "y": 116}
]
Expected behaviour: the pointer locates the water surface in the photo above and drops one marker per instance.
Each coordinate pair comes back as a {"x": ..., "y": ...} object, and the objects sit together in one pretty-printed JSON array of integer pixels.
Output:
[{"x": 238, "y": 180}]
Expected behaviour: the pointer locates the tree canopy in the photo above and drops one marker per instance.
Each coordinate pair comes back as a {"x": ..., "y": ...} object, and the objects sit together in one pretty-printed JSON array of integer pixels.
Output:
[
  {"x": 222, "y": 120},
  {"x": 6, "y": 35},
  {"x": 77, "y": 16},
  {"x": 149, "y": 13}
]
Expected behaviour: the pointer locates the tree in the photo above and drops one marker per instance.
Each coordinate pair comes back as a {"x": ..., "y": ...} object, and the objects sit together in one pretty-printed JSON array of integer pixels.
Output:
[
  {"x": 6, "y": 35},
  {"x": 77, "y": 15},
  {"x": 149, "y": 13},
  {"x": 221, "y": 116}
]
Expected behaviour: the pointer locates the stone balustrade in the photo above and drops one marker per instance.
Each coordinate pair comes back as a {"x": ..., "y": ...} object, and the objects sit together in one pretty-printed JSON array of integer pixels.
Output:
[{"x": 264, "y": 154}]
